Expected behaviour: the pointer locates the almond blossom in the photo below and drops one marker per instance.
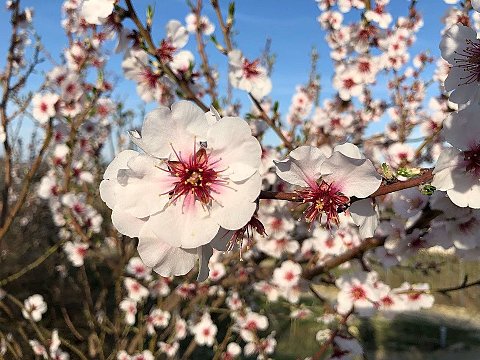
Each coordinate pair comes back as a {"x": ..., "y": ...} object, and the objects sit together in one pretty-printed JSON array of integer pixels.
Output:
[
  {"x": 203, "y": 24},
  {"x": 198, "y": 173},
  {"x": 328, "y": 183},
  {"x": 248, "y": 75},
  {"x": 204, "y": 331},
  {"x": 458, "y": 167},
  {"x": 136, "y": 291},
  {"x": 357, "y": 292},
  {"x": 461, "y": 48},
  {"x": 129, "y": 307},
  {"x": 34, "y": 307},
  {"x": 169, "y": 349},
  {"x": 76, "y": 252},
  {"x": 44, "y": 106},
  {"x": 177, "y": 38}
]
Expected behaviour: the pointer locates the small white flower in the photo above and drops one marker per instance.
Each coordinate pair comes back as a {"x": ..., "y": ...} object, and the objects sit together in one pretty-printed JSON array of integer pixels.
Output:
[
  {"x": 248, "y": 75},
  {"x": 357, "y": 291},
  {"x": 34, "y": 307},
  {"x": 129, "y": 307},
  {"x": 205, "y": 331},
  {"x": 44, "y": 106},
  {"x": 206, "y": 27},
  {"x": 75, "y": 252},
  {"x": 136, "y": 291}
]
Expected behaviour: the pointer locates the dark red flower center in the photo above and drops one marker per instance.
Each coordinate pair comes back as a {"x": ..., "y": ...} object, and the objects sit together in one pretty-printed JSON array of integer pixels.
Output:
[
  {"x": 166, "y": 50},
  {"x": 250, "y": 69},
  {"x": 325, "y": 199},
  {"x": 195, "y": 176}
]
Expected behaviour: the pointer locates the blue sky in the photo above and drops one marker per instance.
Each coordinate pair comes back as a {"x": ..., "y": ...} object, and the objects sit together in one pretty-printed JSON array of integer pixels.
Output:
[{"x": 291, "y": 25}]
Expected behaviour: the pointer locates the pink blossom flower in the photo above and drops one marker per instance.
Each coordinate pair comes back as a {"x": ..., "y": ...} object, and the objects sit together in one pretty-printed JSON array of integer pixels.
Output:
[
  {"x": 251, "y": 324},
  {"x": 458, "y": 167},
  {"x": 44, "y": 106},
  {"x": 157, "y": 319},
  {"x": 416, "y": 296},
  {"x": 205, "y": 25},
  {"x": 248, "y": 75},
  {"x": 169, "y": 349},
  {"x": 145, "y": 355},
  {"x": 461, "y": 48},
  {"x": 217, "y": 271},
  {"x": 357, "y": 292},
  {"x": 34, "y": 307},
  {"x": 96, "y": 11},
  {"x": 197, "y": 174},
  {"x": 136, "y": 291},
  {"x": 328, "y": 183},
  {"x": 177, "y": 38},
  {"x": 76, "y": 252},
  {"x": 233, "y": 350},
  {"x": 204, "y": 331},
  {"x": 137, "y": 268}
]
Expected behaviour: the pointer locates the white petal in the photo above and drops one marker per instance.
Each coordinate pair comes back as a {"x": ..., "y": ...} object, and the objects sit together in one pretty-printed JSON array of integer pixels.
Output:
[
  {"x": 302, "y": 166},
  {"x": 444, "y": 168},
  {"x": 188, "y": 228},
  {"x": 466, "y": 190},
  {"x": 455, "y": 40},
  {"x": 164, "y": 259},
  {"x": 364, "y": 215},
  {"x": 232, "y": 141},
  {"x": 119, "y": 162},
  {"x": 349, "y": 150},
  {"x": 455, "y": 125},
  {"x": 205, "y": 252},
  {"x": 126, "y": 224},
  {"x": 178, "y": 127},
  {"x": 237, "y": 203},
  {"x": 177, "y": 33},
  {"x": 353, "y": 177},
  {"x": 476, "y": 5}
]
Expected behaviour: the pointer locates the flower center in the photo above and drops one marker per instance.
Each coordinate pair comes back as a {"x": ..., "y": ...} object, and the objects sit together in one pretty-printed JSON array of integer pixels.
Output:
[
  {"x": 469, "y": 61},
  {"x": 324, "y": 199},
  {"x": 195, "y": 176},
  {"x": 472, "y": 160},
  {"x": 358, "y": 293},
  {"x": 166, "y": 50},
  {"x": 250, "y": 68}
]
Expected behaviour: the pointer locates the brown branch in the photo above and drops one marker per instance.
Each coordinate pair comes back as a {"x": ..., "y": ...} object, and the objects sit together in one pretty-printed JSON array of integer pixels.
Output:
[
  {"x": 318, "y": 355},
  {"x": 226, "y": 28},
  {"x": 33, "y": 265},
  {"x": 201, "y": 50},
  {"x": 7, "y": 182},
  {"x": 270, "y": 122},
  {"x": 464, "y": 285},
  {"x": 27, "y": 182},
  {"x": 353, "y": 253}
]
